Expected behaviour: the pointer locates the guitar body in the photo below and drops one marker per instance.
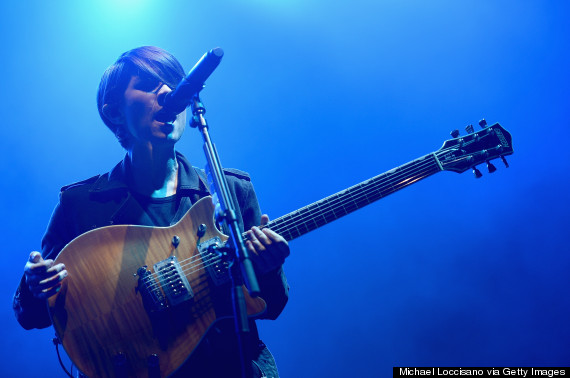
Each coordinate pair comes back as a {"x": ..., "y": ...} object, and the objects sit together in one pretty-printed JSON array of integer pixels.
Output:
[{"x": 99, "y": 314}]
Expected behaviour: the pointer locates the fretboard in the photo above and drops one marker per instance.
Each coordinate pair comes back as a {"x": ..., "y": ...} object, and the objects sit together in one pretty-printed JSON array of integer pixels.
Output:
[{"x": 333, "y": 207}]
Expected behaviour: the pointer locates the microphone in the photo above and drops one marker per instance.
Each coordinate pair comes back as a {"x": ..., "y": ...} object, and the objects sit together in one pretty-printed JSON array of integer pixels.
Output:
[{"x": 179, "y": 99}]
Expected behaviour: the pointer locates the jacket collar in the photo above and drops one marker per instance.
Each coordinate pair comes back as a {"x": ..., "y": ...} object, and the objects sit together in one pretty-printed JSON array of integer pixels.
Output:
[{"x": 115, "y": 181}]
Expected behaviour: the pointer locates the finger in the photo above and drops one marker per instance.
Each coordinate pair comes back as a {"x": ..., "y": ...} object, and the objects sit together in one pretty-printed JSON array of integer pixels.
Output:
[
  {"x": 49, "y": 292},
  {"x": 249, "y": 235},
  {"x": 261, "y": 236},
  {"x": 250, "y": 247},
  {"x": 47, "y": 283},
  {"x": 34, "y": 273},
  {"x": 280, "y": 245},
  {"x": 38, "y": 268},
  {"x": 37, "y": 276},
  {"x": 257, "y": 246},
  {"x": 50, "y": 281},
  {"x": 55, "y": 269},
  {"x": 274, "y": 236},
  {"x": 264, "y": 219},
  {"x": 35, "y": 257}
]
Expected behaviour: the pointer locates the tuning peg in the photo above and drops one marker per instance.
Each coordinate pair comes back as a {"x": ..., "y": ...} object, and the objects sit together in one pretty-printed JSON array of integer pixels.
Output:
[
  {"x": 505, "y": 161},
  {"x": 469, "y": 129},
  {"x": 490, "y": 167},
  {"x": 483, "y": 123},
  {"x": 455, "y": 133},
  {"x": 477, "y": 173}
]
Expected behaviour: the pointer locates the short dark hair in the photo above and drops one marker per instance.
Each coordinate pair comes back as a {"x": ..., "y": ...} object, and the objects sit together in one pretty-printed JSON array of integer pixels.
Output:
[{"x": 146, "y": 61}]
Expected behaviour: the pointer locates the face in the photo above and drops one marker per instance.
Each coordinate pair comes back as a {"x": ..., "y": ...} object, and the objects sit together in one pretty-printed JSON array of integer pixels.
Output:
[{"x": 142, "y": 113}]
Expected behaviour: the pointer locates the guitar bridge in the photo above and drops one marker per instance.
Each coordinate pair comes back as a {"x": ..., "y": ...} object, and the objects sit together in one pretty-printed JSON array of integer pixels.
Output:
[{"x": 174, "y": 283}]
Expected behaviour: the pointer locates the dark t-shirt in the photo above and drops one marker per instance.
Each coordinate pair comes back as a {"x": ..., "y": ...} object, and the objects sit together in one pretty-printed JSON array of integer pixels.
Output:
[{"x": 160, "y": 210}]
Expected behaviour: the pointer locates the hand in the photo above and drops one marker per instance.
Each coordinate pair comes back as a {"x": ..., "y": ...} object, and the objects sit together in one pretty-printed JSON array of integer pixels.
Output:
[
  {"x": 268, "y": 248},
  {"x": 42, "y": 276}
]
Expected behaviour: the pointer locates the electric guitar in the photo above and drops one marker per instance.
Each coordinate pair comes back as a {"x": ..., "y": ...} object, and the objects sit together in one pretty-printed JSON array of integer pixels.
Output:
[{"x": 140, "y": 296}]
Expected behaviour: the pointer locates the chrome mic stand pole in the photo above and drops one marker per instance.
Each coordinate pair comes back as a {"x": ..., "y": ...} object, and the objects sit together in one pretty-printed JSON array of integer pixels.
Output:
[{"x": 227, "y": 214}]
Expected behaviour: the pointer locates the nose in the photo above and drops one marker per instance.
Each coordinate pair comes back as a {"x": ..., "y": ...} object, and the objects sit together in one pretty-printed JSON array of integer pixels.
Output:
[{"x": 162, "y": 92}]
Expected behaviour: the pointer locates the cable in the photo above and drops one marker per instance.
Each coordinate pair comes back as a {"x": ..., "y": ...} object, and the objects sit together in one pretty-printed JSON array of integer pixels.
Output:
[{"x": 56, "y": 342}]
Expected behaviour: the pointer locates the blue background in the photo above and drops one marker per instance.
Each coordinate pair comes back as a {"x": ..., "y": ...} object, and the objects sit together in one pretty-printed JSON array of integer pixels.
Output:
[{"x": 311, "y": 97}]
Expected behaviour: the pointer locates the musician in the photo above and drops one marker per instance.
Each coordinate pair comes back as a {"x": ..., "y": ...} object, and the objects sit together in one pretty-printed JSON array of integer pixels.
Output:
[{"x": 154, "y": 185}]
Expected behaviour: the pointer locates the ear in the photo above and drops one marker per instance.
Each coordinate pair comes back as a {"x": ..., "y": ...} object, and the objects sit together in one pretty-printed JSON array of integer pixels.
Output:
[{"x": 113, "y": 114}]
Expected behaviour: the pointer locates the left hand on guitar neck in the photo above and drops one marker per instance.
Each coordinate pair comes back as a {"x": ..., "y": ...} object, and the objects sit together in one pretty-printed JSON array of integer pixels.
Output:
[{"x": 268, "y": 248}]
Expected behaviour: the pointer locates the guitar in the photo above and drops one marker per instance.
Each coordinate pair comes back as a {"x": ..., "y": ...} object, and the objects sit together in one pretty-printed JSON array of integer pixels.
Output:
[{"x": 138, "y": 295}]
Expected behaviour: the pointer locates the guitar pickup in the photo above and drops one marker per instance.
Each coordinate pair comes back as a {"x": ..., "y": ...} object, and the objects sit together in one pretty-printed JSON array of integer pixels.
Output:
[
  {"x": 216, "y": 266},
  {"x": 173, "y": 281}
]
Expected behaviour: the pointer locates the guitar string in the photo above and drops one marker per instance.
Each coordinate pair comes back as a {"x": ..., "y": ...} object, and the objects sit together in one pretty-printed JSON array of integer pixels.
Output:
[
  {"x": 346, "y": 196},
  {"x": 369, "y": 187},
  {"x": 209, "y": 261},
  {"x": 187, "y": 268}
]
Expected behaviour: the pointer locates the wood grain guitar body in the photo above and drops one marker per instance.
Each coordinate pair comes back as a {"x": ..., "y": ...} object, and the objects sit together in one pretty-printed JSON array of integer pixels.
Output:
[{"x": 137, "y": 295}]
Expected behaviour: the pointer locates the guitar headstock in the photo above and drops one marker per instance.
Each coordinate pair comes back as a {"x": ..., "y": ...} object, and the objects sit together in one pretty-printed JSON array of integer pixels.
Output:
[{"x": 464, "y": 152}]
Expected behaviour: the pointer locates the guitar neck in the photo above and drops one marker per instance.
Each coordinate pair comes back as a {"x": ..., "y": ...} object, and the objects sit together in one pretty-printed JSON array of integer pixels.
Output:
[{"x": 333, "y": 207}]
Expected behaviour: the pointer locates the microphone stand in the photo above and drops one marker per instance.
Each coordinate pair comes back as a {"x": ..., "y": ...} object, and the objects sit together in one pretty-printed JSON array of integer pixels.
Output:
[{"x": 227, "y": 214}]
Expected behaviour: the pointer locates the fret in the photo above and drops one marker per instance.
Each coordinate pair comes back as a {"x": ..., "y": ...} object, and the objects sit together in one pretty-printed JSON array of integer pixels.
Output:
[
  {"x": 347, "y": 205},
  {"x": 304, "y": 227},
  {"x": 311, "y": 225},
  {"x": 294, "y": 233},
  {"x": 287, "y": 235},
  {"x": 362, "y": 201},
  {"x": 313, "y": 221},
  {"x": 329, "y": 216}
]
